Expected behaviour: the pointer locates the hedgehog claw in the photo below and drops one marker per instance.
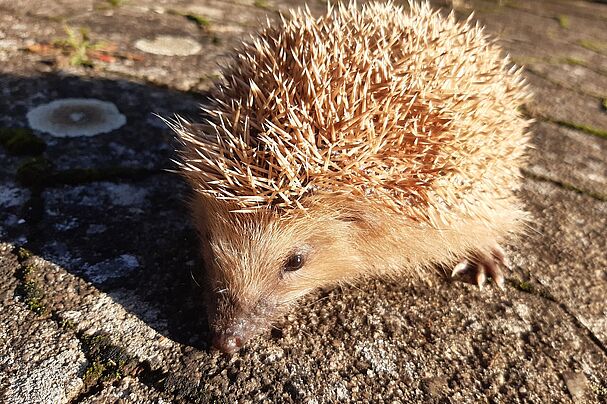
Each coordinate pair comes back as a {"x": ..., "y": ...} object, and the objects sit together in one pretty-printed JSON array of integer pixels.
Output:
[
  {"x": 481, "y": 276},
  {"x": 500, "y": 255},
  {"x": 477, "y": 269},
  {"x": 459, "y": 268}
]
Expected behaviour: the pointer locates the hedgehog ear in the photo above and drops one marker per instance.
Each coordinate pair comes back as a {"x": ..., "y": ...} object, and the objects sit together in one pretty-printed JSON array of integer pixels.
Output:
[
  {"x": 352, "y": 217},
  {"x": 356, "y": 217},
  {"x": 346, "y": 209}
]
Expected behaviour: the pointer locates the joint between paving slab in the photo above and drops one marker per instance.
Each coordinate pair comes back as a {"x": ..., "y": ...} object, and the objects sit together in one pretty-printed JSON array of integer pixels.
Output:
[
  {"x": 564, "y": 185},
  {"x": 580, "y": 62},
  {"x": 98, "y": 371},
  {"x": 531, "y": 70},
  {"x": 590, "y": 130},
  {"x": 515, "y": 6},
  {"x": 587, "y": 129},
  {"x": 42, "y": 176},
  {"x": 39, "y": 172},
  {"x": 29, "y": 287},
  {"x": 589, "y": 333}
]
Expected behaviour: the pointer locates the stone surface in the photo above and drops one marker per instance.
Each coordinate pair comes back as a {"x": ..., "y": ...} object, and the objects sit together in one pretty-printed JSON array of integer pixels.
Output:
[
  {"x": 574, "y": 77},
  {"x": 570, "y": 157},
  {"x": 12, "y": 199},
  {"x": 142, "y": 143},
  {"x": 105, "y": 306},
  {"x": 551, "y": 102},
  {"x": 129, "y": 390},
  {"x": 572, "y": 266},
  {"x": 38, "y": 361}
]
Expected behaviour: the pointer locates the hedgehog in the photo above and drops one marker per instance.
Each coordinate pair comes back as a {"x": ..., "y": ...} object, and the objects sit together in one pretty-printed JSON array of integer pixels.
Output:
[{"x": 380, "y": 141}]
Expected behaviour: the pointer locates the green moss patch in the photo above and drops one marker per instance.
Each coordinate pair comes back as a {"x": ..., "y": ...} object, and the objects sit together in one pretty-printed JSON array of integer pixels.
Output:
[
  {"x": 595, "y": 46},
  {"x": 34, "y": 297},
  {"x": 200, "y": 20},
  {"x": 600, "y": 391},
  {"x": 30, "y": 290},
  {"x": 591, "y": 130},
  {"x": 574, "y": 61},
  {"x": 523, "y": 286},
  {"x": 67, "y": 324},
  {"x": 107, "y": 362},
  {"x": 261, "y": 4},
  {"x": 528, "y": 287},
  {"x": 23, "y": 254},
  {"x": 21, "y": 141},
  {"x": 563, "y": 21},
  {"x": 565, "y": 185},
  {"x": 93, "y": 373},
  {"x": 527, "y": 60}
]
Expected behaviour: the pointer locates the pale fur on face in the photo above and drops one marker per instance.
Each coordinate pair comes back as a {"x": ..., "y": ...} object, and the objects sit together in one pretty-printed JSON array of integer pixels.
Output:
[{"x": 245, "y": 256}]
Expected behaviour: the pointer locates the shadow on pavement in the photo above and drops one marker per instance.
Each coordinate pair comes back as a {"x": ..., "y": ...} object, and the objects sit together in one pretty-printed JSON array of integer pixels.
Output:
[{"x": 104, "y": 208}]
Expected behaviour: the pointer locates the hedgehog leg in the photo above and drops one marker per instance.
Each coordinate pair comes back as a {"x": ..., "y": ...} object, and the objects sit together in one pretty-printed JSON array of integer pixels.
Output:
[{"x": 476, "y": 269}]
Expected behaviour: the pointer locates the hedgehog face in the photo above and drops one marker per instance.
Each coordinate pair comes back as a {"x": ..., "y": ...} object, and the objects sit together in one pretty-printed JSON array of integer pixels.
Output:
[{"x": 257, "y": 264}]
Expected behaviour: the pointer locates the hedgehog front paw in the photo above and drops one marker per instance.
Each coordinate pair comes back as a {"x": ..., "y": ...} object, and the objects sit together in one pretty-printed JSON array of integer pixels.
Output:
[{"x": 479, "y": 266}]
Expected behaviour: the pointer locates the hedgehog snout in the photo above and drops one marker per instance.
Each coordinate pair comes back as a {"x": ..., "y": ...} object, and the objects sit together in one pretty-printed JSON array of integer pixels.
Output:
[
  {"x": 233, "y": 334},
  {"x": 227, "y": 342},
  {"x": 234, "y": 324}
]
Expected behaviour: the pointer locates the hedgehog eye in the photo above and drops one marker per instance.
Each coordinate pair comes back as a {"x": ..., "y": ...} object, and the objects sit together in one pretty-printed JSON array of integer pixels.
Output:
[{"x": 294, "y": 262}]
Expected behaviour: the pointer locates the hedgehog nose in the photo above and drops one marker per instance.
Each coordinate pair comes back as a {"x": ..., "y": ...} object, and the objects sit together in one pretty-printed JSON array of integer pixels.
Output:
[{"x": 227, "y": 343}]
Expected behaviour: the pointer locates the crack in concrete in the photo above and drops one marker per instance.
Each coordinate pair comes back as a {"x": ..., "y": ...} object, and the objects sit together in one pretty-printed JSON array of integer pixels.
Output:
[
  {"x": 109, "y": 362},
  {"x": 540, "y": 291}
]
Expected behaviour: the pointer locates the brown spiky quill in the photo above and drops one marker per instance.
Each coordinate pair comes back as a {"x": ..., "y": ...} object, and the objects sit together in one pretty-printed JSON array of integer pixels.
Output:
[{"x": 409, "y": 108}]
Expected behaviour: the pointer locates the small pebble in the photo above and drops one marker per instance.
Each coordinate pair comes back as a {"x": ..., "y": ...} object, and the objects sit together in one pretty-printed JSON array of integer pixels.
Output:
[{"x": 576, "y": 383}]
